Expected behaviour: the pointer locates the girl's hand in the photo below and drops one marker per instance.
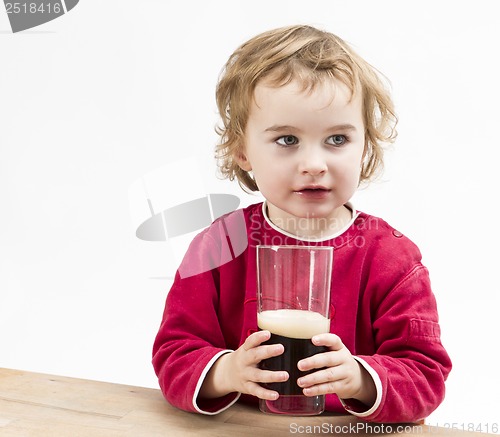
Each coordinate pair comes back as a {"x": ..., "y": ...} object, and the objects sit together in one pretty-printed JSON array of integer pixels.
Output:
[
  {"x": 238, "y": 371},
  {"x": 340, "y": 373}
]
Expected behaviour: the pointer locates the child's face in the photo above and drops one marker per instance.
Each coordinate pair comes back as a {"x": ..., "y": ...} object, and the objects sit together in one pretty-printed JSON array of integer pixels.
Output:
[{"x": 305, "y": 149}]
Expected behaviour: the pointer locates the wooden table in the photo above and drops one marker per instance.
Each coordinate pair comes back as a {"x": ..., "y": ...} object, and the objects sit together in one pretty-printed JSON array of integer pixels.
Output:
[{"x": 33, "y": 404}]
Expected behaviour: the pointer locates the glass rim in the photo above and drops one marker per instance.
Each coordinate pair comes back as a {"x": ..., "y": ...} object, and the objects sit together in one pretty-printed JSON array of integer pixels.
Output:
[{"x": 293, "y": 246}]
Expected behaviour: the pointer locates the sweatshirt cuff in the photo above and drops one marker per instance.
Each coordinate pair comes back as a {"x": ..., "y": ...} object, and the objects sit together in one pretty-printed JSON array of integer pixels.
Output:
[
  {"x": 217, "y": 405},
  {"x": 357, "y": 408}
]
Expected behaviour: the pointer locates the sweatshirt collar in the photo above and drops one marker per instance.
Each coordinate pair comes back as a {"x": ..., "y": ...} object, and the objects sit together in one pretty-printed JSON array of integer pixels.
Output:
[{"x": 349, "y": 205}]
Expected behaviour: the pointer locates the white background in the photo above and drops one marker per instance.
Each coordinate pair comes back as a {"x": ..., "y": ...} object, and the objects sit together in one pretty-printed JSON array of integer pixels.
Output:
[{"x": 93, "y": 101}]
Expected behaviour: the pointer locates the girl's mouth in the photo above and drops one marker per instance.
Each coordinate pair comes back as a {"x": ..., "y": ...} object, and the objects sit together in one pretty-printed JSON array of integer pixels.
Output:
[{"x": 313, "y": 192}]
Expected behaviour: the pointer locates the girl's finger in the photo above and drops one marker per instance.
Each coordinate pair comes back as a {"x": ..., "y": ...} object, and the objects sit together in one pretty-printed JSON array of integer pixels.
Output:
[
  {"x": 263, "y": 352},
  {"x": 321, "y": 360},
  {"x": 256, "y": 339},
  {"x": 322, "y": 389},
  {"x": 331, "y": 341},
  {"x": 329, "y": 375},
  {"x": 261, "y": 392},
  {"x": 268, "y": 376}
]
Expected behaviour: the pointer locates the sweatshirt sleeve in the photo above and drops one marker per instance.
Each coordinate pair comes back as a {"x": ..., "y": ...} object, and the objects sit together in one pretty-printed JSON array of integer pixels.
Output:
[
  {"x": 190, "y": 338},
  {"x": 410, "y": 361}
]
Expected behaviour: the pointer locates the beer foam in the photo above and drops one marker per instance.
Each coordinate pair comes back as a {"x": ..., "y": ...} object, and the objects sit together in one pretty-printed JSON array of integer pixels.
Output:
[{"x": 293, "y": 323}]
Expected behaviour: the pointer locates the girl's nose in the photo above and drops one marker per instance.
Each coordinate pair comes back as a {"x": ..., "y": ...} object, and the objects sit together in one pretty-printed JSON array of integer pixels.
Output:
[{"x": 312, "y": 161}]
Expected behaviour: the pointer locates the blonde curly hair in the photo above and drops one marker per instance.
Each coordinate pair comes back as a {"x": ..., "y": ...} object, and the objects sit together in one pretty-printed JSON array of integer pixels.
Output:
[{"x": 311, "y": 56}]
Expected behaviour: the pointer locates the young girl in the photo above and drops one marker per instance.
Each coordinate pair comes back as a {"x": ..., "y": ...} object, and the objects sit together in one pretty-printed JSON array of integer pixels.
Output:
[{"x": 303, "y": 122}]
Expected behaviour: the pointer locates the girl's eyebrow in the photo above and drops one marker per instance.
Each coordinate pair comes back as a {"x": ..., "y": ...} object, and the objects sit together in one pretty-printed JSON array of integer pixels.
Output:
[
  {"x": 281, "y": 128},
  {"x": 278, "y": 128}
]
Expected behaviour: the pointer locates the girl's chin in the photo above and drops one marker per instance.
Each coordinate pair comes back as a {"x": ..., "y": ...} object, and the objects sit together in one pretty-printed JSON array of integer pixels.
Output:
[{"x": 304, "y": 212}]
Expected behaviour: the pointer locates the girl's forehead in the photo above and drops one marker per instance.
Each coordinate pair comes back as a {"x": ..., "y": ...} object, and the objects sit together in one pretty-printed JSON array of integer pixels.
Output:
[
  {"x": 292, "y": 105},
  {"x": 326, "y": 90}
]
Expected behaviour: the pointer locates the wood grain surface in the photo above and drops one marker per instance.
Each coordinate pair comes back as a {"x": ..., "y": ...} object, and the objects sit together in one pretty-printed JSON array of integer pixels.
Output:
[{"x": 34, "y": 404}]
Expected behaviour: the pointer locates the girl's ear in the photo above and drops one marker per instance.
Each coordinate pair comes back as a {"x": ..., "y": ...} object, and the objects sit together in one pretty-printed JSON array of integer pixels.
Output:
[{"x": 242, "y": 160}]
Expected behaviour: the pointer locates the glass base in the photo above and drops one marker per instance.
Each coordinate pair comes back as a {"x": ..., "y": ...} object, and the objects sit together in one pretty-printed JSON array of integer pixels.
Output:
[{"x": 296, "y": 405}]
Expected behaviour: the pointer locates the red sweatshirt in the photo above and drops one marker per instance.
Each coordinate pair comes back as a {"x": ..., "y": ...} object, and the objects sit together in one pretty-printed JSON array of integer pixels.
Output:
[{"x": 382, "y": 308}]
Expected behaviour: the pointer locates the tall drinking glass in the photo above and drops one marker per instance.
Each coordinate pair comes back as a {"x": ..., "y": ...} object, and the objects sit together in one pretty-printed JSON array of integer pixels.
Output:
[{"x": 294, "y": 305}]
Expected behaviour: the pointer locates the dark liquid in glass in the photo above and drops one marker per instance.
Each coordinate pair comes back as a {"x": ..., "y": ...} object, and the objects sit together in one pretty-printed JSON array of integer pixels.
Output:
[{"x": 296, "y": 349}]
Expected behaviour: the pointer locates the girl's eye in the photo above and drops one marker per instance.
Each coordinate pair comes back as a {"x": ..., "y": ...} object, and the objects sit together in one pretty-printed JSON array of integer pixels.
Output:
[
  {"x": 337, "y": 140},
  {"x": 287, "y": 140}
]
